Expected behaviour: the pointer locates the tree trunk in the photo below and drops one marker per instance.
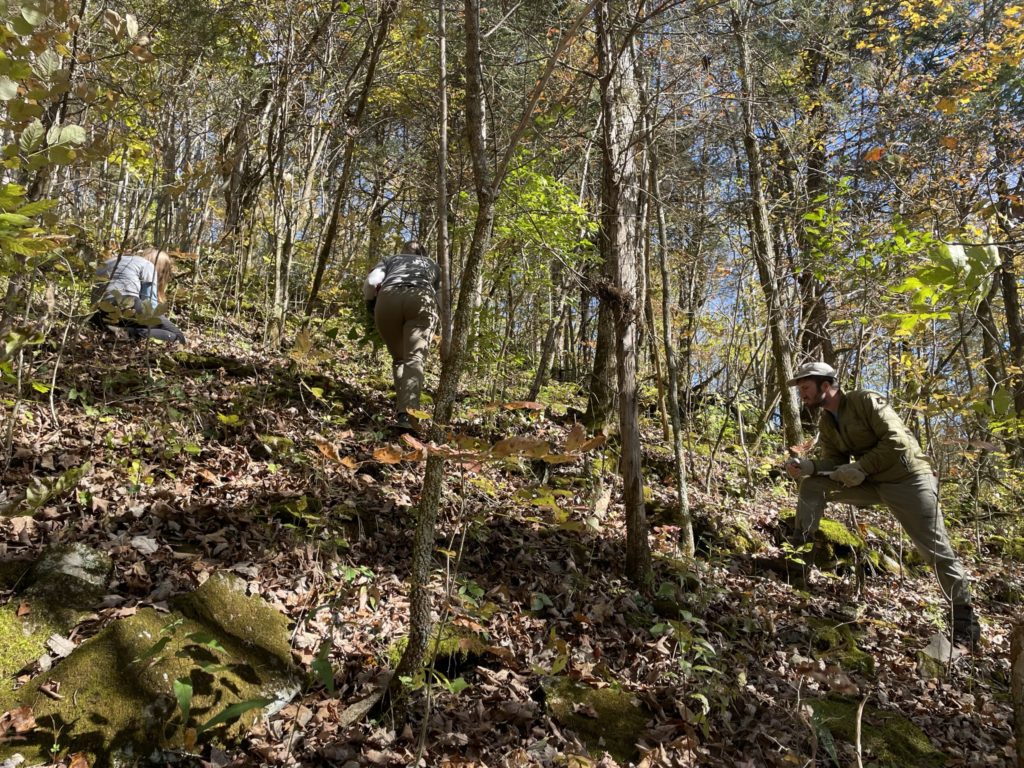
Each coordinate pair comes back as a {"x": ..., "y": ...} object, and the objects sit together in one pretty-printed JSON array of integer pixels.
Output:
[
  {"x": 685, "y": 518},
  {"x": 487, "y": 183},
  {"x": 443, "y": 248},
  {"x": 762, "y": 240},
  {"x": 619, "y": 240}
]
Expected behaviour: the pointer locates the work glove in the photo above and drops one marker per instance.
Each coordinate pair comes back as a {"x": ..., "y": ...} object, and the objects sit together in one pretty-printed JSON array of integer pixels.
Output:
[
  {"x": 797, "y": 467},
  {"x": 849, "y": 475}
]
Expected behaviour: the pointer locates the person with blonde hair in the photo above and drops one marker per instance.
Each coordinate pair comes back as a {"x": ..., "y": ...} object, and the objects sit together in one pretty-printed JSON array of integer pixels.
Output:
[{"x": 128, "y": 291}]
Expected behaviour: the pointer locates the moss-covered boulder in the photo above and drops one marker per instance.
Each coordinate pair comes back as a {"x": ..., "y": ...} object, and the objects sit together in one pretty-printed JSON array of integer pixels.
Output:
[
  {"x": 606, "y": 719},
  {"x": 67, "y": 580},
  {"x": 155, "y": 682},
  {"x": 56, "y": 591},
  {"x": 888, "y": 739}
]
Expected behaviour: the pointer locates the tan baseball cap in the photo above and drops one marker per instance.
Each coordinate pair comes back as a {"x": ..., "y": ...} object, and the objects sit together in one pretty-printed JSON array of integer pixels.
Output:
[{"x": 807, "y": 370}]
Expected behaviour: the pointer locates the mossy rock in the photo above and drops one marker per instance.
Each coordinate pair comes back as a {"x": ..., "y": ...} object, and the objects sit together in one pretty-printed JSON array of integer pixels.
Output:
[
  {"x": 455, "y": 648},
  {"x": 22, "y": 641},
  {"x": 838, "y": 643},
  {"x": 221, "y": 603},
  {"x": 120, "y": 690},
  {"x": 606, "y": 719},
  {"x": 60, "y": 587},
  {"x": 836, "y": 534},
  {"x": 730, "y": 535},
  {"x": 68, "y": 580},
  {"x": 888, "y": 739}
]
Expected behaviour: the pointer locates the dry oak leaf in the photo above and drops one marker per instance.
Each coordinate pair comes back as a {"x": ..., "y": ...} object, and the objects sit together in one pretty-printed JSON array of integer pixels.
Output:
[
  {"x": 387, "y": 455},
  {"x": 18, "y": 720}
]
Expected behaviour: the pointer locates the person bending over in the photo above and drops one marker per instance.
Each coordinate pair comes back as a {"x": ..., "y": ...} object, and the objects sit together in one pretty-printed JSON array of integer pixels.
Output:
[
  {"x": 128, "y": 291},
  {"x": 401, "y": 294},
  {"x": 866, "y": 456}
]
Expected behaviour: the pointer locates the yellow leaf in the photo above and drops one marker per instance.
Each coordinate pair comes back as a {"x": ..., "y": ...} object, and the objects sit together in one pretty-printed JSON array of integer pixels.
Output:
[
  {"x": 946, "y": 105},
  {"x": 949, "y": 142}
]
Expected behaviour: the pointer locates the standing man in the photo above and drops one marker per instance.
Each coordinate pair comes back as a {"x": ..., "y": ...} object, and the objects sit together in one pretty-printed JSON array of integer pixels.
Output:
[
  {"x": 887, "y": 467},
  {"x": 401, "y": 294}
]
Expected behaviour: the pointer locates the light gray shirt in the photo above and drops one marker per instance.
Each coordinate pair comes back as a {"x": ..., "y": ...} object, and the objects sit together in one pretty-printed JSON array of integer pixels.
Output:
[{"x": 126, "y": 276}]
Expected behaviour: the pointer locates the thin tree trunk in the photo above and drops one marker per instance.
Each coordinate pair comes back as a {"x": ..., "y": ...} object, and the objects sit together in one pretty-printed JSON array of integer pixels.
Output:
[
  {"x": 763, "y": 245},
  {"x": 443, "y": 253},
  {"x": 487, "y": 183},
  {"x": 620, "y": 182},
  {"x": 685, "y": 518}
]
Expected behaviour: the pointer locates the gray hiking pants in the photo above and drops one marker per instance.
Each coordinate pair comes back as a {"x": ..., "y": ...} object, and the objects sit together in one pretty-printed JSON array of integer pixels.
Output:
[
  {"x": 405, "y": 317},
  {"x": 915, "y": 503}
]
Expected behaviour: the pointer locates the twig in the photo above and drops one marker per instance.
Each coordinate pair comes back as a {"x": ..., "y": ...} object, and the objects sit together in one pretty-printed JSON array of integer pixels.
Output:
[{"x": 860, "y": 717}]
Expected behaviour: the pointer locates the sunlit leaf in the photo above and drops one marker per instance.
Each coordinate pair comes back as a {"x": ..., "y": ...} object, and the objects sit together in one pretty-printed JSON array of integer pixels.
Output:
[
  {"x": 183, "y": 693},
  {"x": 387, "y": 455}
]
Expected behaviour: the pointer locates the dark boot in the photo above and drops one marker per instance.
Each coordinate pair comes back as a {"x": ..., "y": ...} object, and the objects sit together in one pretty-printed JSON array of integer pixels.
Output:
[
  {"x": 404, "y": 424},
  {"x": 966, "y": 629}
]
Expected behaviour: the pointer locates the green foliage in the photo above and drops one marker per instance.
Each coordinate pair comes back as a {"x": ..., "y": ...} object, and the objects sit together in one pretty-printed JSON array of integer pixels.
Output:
[{"x": 948, "y": 277}]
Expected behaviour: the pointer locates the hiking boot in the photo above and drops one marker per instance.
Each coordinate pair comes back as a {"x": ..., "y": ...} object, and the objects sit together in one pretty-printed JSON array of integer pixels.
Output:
[
  {"x": 966, "y": 629},
  {"x": 404, "y": 423}
]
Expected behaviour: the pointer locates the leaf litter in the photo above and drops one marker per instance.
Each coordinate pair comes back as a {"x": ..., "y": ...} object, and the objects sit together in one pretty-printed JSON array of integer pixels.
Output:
[{"x": 196, "y": 469}]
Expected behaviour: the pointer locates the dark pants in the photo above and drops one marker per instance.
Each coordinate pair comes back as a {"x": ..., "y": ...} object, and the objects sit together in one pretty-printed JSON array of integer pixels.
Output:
[{"x": 140, "y": 323}]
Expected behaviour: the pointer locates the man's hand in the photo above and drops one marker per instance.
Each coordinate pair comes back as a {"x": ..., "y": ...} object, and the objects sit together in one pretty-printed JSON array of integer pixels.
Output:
[
  {"x": 797, "y": 467},
  {"x": 849, "y": 475}
]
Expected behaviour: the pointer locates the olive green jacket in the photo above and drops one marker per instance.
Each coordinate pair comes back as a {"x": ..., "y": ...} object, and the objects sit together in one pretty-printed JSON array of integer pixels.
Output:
[{"x": 871, "y": 432}]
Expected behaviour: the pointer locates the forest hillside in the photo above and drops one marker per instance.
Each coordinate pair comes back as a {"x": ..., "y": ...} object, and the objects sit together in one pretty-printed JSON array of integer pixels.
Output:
[{"x": 182, "y": 465}]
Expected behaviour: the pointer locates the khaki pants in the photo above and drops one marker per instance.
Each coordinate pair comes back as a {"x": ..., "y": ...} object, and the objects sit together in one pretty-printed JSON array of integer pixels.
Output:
[
  {"x": 915, "y": 503},
  {"x": 405, "y": 317}
]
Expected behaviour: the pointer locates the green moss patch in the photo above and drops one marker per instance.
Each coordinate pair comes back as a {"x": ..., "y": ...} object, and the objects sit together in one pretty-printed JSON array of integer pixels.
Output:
[
  {"x": 838, "y": 535},
  {"x": 888, "y": 739},
  {"x": 250, "y": 622},
  {"x": 123, "y": 692},
  {"x": 606, "y": 719},
  {"x": 22, "y": 641},
  {"x": 450, "y": 648},
  {"x": 838, "y": 643}
]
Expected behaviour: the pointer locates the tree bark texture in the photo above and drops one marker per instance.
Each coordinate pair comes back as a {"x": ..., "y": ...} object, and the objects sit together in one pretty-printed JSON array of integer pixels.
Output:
[{"x": 619, "y": 241}]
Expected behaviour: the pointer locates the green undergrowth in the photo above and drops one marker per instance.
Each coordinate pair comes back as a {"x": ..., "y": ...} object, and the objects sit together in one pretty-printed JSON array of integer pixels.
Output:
[
  {"x": 888, "y": 739},
  {"x": 606, "y": 719}
]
